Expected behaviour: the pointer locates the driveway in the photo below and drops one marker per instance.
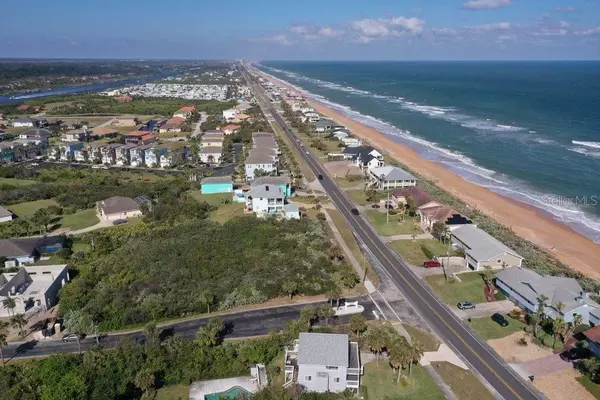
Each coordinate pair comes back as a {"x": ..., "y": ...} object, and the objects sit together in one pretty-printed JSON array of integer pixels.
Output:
[
  {"x": 543, "y": 366},
  {"x": 485, "y": 309}
]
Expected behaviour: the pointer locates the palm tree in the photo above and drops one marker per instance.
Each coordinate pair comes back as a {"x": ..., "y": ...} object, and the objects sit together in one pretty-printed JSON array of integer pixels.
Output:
[
  {"x": 398, "y": 356},
  {"x": 326, "y": 312},
  {"x": 570, "y": 328},
  {"x": 416, "y": 352},
  {"x": 335, "y": 293},
  {"x": 307, "y": 316},
  {"x": 540, "y": 311},
  {"x": 3, "y": 338},
  {"x": 19, "y": 321},
  {"x": 376, "y": 341},
  {"x": 358, "y": 324},
  {"x": 10, "y": 304},
  {"x": 557, "y": 327},
  {"x": 416, "y": 229}
]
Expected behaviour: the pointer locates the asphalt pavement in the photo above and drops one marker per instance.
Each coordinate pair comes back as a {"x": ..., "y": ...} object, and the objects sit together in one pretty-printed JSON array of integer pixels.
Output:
[
  {"x": 238, "y": 325},
  {"x": 441, "y": 319}
]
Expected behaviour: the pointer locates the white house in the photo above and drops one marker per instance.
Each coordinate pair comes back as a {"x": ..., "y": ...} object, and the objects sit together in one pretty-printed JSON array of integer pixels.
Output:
[
  {"x": 390, "y": 177},
  {"x": 351, "y": 141},
  {"x": 230, "y": 114},
  {"x": 22, "y": 123},
  {"x": 210, "y": 154},
  {"x": 117, "y": 207},
  {"x": 323, "y": 362},
  {"x": 266, "y": 200},
  {"x": 32, "y": 287},
  {"x": 339, "y": 135},
  {"x": 259, "y": 161}
]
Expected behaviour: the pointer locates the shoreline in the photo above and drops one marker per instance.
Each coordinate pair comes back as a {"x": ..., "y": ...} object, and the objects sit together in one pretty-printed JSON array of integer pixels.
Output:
[{"x": 531, "y": 223}]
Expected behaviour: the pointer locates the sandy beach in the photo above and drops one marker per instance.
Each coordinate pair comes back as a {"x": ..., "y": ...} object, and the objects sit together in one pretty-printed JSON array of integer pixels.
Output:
[{"x": 570, "y": 247}]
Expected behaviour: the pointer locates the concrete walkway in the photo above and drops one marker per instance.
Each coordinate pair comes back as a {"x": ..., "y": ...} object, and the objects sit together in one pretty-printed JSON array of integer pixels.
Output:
[
  {"x": 482, "y": 310},
  {"x": 68, "y": 231},
  {"x": 443, "y": 353},
  {"x": 406, "y": 237},
  {"x": 542, "y": 366}
]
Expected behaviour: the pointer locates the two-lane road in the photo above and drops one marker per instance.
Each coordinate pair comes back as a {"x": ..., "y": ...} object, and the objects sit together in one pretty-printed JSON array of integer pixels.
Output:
[{"x": 481, "y": 357}]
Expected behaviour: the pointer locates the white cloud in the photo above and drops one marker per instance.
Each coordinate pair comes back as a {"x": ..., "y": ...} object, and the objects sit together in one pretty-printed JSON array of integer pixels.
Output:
[
  {"x": 496, "y": 26},
  {"x": 369, "y": 29},
  {"x": 299, "y": 29},
  {"x": 444, "y": 31},
  {"x": 591, "y": 31},
  {"x": 565, "y": 9},
  {"x": 485, "y": 4},
  {"x": 564, "y": 24},
  {"x": 329, "y": 32},
  {"x": 551, "y": 32},
  {"x": 278, "y": 39}
]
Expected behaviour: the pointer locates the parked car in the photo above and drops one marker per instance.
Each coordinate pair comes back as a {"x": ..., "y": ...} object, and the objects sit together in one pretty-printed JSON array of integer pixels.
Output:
[
  {"x": 97, "y": 166},
  {"x": 119, "y": 221},
  {"x": 71, "y": 337},
  {"x": 354, "y": 211},
  {"x": 499, "y": 319},
  {"x": 431, "y": 264},
  {"x": 375, "y": 205},
  {"x": 465, "y": 305},
  {"x": 575, "y": 353}
]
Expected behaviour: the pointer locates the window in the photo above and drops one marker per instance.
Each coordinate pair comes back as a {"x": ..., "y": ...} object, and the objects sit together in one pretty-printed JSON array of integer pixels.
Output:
[
  {"x": 321, "y": 374},
  {"x": 308, "y": 378},
  {"x": 331, "y": 368},
  {"x": 499, "y": 261},
  {"x": 336, "y": 380}
]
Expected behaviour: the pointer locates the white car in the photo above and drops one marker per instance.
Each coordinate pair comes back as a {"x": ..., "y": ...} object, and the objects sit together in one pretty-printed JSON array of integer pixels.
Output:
[
  {"x": 34, "y": 164},
  {"x": 97, "y": 166}
]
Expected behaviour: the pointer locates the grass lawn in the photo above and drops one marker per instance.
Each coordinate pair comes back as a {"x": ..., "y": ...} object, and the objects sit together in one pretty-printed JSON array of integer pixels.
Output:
[
  {"x": 591, "y": 387},
  {"x": 427, "y": 340},
  {"x": 453, "y": 292},
  {"x": 80, "y": 246},
  {"x": 80, "y": 219},
  {"x": 26, "y": 210},
  {"x": 212, "y": 199},
  {"x": 463, "y": 383},
  {"x": 303, "y": 199},
  {"x": 225, "y": 212},
  {"x": 359, "y": 197},
  {"x": 411, "y": 250},
  {"x": 173, "y": 392},
  {"x": 349, "y": 239},
  {"x": 393, "y": 227},
  {"x": 381, "y": 383},
  {"x": 488, "y": 329},
  {"x": 16, "y": 182},
  {"x": 344, "y": 182},
  {"x": 53, "y": 260}
]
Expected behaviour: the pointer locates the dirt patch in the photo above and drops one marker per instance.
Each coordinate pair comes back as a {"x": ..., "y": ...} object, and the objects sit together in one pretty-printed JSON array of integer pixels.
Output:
[
  {"x": 340, "y": 169},
  {"x": 508, "y": 348},
  {"x": 562, "y": 385}
]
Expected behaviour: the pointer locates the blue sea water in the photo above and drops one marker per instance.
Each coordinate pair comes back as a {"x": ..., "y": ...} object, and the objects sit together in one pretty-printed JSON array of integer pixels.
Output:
[{"x": 527, "y": 130}]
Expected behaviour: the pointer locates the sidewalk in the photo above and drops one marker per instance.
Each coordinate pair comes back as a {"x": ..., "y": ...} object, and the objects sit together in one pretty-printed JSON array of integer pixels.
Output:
[{"x": 407, "y": 236}]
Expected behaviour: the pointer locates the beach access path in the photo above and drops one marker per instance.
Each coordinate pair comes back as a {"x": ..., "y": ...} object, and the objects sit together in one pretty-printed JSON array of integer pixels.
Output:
[{"x": 570, "y": 247}]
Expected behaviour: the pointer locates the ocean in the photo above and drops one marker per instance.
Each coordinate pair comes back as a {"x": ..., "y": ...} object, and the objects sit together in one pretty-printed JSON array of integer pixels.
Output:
[{"x": 526, "y": 130}]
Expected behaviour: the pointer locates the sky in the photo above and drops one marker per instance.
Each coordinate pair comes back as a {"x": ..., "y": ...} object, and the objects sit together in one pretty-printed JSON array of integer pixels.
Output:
[{"x": 303, "y": 30}]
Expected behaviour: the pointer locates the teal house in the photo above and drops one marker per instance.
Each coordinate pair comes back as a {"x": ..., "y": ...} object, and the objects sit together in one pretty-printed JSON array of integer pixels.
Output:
[
  {"x": 279, "y": 181},
  {"x": 217, "y": 184}
]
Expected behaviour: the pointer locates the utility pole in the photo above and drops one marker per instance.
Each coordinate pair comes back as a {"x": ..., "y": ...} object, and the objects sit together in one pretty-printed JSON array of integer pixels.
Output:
[{"x": 387, "y": 209}]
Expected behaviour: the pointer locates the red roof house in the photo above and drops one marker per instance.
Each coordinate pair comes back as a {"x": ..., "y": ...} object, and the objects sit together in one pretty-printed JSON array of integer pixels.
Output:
[{"x": 23, "y": 107}]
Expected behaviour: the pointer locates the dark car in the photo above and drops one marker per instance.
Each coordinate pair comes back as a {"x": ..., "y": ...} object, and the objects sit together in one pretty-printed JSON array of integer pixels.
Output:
[
  {"x": 499, "y": 319},
  {"x": 431, "y": 264},
  {"x": 575, "y": 353},
  {"x": 465, "y": 305},
  {"x": 119, "y": 221},
  {"x": 320, "y": 177},
  {"x": 354, "y": 211}
]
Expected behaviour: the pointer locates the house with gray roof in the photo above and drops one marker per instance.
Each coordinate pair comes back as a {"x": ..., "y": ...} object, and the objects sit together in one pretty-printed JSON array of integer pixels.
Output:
[
  {"x": 265, "y": 200},
  {"x": 5, "y": 215},
  {"x": 483, "y": 250},
  {"x": 524, "y": 287},
  {"x": 21, "y": 251},
  {"x": 118, "y": 207},
  {"x": 390, "y": 177},
  {"x": 259, "y": 160},
  {"x": 323, "y": 125},
  {"x": 323, "y": 362}
]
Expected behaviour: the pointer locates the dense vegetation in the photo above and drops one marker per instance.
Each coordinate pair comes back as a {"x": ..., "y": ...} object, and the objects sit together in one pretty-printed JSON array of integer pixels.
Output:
[{"x": 141, "y": 274}]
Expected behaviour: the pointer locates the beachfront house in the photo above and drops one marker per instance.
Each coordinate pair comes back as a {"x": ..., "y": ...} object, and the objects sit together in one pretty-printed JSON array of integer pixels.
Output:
[
  {"x": 341, "y": 134},
  {"x": 483, "y": 250},
  {"x": 260, "y": 162},
  {"x": 390, "y": 177},
  {"x": 364, "y": 157},
  {"x": 351, "y": 142},
  {"x": 265, "y": 200},
  {"x": 434, "y": 212},
  {"x": 524, "y": 288},
  {"x": 323, "y": 125},
  {"x": 323, "y": 362}
]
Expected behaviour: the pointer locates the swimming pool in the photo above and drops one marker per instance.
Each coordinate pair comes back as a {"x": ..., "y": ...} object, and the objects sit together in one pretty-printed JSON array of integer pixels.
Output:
[{"x": 231, "y": 394}]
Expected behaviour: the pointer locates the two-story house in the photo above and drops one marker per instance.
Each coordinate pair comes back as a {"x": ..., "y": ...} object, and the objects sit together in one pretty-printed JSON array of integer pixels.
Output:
[
  {"x": 154, "y": 155},
  {"x": 123, "y": 154},
  {"x": 137, "y": 155},
  {"x": 109, "y": 153},
  {"x": 323, "y": 362},
  {"x": 66, "y": 151},
  {"x": 265, "y": 200},
  {"x": 259, "y": 161}
]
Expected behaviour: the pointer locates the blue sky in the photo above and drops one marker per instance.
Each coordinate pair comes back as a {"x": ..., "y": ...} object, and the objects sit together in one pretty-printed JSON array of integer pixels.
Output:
[{"x": 303, "y": 30}]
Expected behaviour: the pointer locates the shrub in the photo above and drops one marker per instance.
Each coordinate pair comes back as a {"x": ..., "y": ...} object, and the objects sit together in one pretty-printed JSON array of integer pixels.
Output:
[
  {"x": 522, "y": 341},
  {"x": 321, "y": 217},
  {"x": 428, "y": 253},
  {"x": 515, "y": 313}
]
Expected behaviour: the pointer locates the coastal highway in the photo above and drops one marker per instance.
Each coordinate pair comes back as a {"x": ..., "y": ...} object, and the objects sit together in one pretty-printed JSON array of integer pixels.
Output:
[
  {"x": 441, "y": 319},
  {"x": 237, "y": 325}
]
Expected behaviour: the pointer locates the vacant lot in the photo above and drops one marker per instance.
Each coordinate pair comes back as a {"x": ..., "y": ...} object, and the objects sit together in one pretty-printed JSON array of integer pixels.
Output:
[
  {"x": 381, "y": 383},
  {"x": 225, "y": 211},
  {"x": 453, "y": 292},
  {"x": 359, "y": 197},
  {"x": 26, "y": 210},
  {"x": 391, "y": 225},
  {"x": 16, "y": 182},
  {"x": 488, "y": 329},
  {"x": 463, "y": 383},
  {"x": 412, "y": 251}
]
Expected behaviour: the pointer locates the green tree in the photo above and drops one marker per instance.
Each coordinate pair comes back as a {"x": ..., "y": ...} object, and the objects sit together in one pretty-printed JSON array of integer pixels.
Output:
[
  {"x": 335, "y": 293},
  {"x": 592, "y": 368},
  {"x": 151, "y": 332},
  {"x": 19, "y": 321},
  {"x": 570, "y": 328},
  {"x": 358, "y": 324},
  {"x": 539, "y": 312},
  {"x": 440, "y": 231},
  {"x": 411, "y": 205},
  {"x": 42, "y": 217},
  {"x": 79, "y": 323},
  {"x": 416, "y": 230},
  {"x": 326, "y": 312},
  {"x": 558, "y": 326},
  {"x": 289, "y": 287},
  {"x": 3, "y": 338},
  {"x": 211, "y": 334},
  {"x": 376, "y": 340},
  {"x": 308, "y": 316},
  {"x": 416, "y": 353},
  {"x": 145, "y": 380},
  {"x": 9, "y": 303},
  {"x": 399, "y": 355}
]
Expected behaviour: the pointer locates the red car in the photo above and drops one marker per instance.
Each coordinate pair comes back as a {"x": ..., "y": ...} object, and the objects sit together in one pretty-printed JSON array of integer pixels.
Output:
[{"x": 431, "y": 264}]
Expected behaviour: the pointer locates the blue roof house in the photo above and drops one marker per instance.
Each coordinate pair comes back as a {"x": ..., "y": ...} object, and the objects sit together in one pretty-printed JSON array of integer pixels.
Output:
[{"x": 217, "y": 184}]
